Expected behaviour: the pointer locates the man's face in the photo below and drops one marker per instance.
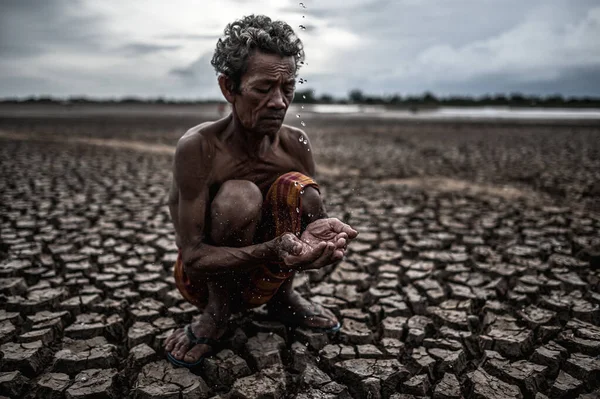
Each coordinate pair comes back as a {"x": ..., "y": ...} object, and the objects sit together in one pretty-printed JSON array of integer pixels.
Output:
[{"x": 267, "y": 89}]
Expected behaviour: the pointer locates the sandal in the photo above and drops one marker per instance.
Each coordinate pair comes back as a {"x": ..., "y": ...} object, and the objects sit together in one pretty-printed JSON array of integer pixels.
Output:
[
  {"x": 193, "y": 342},
  {"x": 296, "y": 320}
]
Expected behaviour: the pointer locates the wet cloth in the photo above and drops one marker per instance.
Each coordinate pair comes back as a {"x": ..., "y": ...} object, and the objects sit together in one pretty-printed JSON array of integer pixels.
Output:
[{"x": 281, "y": 213}]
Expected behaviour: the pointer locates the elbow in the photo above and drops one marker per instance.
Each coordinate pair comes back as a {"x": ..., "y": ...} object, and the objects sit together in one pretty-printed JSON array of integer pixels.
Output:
[{"x": 193, "y": 264}]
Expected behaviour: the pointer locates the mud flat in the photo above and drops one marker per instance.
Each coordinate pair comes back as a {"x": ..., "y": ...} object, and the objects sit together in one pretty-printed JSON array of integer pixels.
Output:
[{"x": 466, "y": 280}]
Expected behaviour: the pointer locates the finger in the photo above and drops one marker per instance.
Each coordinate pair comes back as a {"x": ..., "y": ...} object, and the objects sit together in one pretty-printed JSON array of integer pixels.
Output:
[
  {"x": 317, "y": 251},
  {"x": 340, "y": 227},
  {"x": 325, "y": 258},
  {"x": 287, "y": 243},
  {"x": 343, "y": 235},
  {"x": 350, "y": 231},
  {"x": 297, "y": 250},
  {"x": 341, "y": 243},
  {"x": 338, "y": 254},
  {"x": 310, "y": 256}
]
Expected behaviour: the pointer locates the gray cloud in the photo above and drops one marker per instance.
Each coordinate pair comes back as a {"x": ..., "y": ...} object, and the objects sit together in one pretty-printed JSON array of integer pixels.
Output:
[
  {"x": 406, "y": 46},
  {"x": 30, "y": 27},
  {"x": 146, "y": 48},
  {"x": 196, "y": 70},
  {"x": 190, "y": 37}
]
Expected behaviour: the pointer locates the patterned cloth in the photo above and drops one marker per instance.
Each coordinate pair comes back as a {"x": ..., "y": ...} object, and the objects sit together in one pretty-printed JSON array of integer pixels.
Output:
[{"x": 281, "y": 213}]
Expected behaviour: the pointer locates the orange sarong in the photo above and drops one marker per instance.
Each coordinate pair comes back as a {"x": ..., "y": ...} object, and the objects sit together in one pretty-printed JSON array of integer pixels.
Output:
[{"x": 282, "y": 209}]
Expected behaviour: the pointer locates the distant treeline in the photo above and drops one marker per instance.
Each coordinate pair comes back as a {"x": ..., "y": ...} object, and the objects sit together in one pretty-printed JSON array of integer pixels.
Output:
[
  {"x": 356, "y": 96},
  {"x": 430, "y": 100}
]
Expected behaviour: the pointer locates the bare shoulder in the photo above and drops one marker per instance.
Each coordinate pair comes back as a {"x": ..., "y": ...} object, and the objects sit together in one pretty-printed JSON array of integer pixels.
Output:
[
  {"x": 194, "y": 155},
  {"x": 196, "y": 135},
  {"x": 198, "y": 141},
  {"x": 296, "y": 142},
  {"x": 293, "y": 137}
]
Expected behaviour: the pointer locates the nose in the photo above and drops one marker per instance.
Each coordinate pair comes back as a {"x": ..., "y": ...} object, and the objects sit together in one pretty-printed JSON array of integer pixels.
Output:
[{"x": 277, "y": 100}]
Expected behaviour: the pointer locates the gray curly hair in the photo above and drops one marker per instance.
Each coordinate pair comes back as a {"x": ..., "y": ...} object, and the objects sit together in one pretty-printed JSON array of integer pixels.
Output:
[{"x": 251, "y": 33}]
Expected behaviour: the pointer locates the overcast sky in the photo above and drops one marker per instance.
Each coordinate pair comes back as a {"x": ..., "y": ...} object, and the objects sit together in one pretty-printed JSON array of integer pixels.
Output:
[{"x": 150, "y": 48}]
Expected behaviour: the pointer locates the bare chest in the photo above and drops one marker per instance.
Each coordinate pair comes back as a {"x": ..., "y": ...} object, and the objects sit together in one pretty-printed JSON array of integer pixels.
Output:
[{"x": 262, "y": 171}]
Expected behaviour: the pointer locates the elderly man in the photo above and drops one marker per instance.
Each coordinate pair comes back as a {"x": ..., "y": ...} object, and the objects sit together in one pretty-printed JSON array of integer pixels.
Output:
[{"x": 246, "y": 210}]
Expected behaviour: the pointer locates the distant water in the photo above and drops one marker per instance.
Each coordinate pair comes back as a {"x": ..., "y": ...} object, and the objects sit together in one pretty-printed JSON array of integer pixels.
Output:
[{"x": 454, "y": 112}]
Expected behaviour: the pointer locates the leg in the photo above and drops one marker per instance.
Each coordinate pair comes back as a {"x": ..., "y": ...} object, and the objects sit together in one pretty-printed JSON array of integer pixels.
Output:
[
  {"x": 235, "y": 213},
  {"x": 287, "y": 299}
]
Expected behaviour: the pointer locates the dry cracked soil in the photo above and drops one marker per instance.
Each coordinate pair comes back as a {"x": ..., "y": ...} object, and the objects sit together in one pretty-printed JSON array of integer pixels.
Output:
[{"x": 451, "y": 289}]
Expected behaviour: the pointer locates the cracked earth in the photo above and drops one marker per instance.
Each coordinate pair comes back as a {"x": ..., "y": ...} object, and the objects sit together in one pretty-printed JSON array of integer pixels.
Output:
[{"x": 456, "y": 287}]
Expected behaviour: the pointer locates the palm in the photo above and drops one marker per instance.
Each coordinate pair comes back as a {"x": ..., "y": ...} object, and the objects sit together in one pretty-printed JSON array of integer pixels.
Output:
[
  {"x": 323, "y": 242},
  {"x": 328, "y": 230},
  {"x": 317, "y": 232}
]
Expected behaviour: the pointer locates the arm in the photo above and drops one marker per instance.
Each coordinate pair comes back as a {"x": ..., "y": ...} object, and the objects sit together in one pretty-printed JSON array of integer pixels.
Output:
[{"x": 192, "y": 172}]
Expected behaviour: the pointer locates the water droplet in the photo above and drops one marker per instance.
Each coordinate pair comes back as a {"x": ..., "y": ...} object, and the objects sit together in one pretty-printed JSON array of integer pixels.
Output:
[
  {"x": 296, "y": 183},
  {"x": 301, "y": 192},
  {"x": 303, "y": 16},
  {"x": 302, "y": 123},
  {"x": 305, "y": 142},
  {"x": 297, "y": 115},
  {"x": 302, "y": 5},
  {"x": 302, "y": 27},
  {"x": 297, "y": 210},
  {"x": 302, "y": 106},
  {"x": 303, "y": 96},
  {"x": 300, "y": 139}
]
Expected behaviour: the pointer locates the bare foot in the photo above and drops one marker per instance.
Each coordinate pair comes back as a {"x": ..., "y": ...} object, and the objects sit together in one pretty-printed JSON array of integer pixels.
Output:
[
  {"x": 293, "y": 306},
  {"x": 178, "y": 344}
]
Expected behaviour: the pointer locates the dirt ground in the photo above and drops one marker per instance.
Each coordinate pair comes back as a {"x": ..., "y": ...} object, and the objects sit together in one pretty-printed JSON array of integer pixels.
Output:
[{"x": 475, "y": 273}]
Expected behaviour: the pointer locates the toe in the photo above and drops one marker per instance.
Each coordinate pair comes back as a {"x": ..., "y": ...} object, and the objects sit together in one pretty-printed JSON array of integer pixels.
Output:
[
  {"x": 194, "y": 354},
  {"x": 327, "y": 319},
  {"x": 179, "y": 351},
  {"x": 170, "y": 342}
]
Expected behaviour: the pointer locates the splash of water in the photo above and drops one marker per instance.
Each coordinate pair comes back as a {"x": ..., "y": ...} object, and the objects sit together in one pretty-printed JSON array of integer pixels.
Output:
[{"x": 302, "y": 81}]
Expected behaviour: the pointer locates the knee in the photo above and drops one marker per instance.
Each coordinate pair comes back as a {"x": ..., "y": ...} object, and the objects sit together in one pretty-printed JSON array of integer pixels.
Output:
[
  {"x": 237, "y": 200},
  {"x": 312, "y": 203}
]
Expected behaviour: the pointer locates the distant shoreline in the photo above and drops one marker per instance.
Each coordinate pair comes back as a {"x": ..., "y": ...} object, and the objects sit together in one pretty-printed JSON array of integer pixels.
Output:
[
  {"x": 427, "y": 101},
  {"x": 309, "y": 112}
]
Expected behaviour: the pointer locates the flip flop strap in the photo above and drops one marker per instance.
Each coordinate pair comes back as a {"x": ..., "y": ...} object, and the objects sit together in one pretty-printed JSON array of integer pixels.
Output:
[{"x": 199, "y": 340}]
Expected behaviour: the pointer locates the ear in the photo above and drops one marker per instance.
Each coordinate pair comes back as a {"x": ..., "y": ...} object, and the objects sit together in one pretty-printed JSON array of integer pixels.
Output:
[{"x": 226, "y": 84}]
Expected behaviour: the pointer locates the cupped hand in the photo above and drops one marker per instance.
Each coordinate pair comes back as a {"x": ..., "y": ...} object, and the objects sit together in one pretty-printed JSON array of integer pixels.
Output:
[
  {"x": 329, "y": 230},
  {"x": 300, "y": 255}
]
